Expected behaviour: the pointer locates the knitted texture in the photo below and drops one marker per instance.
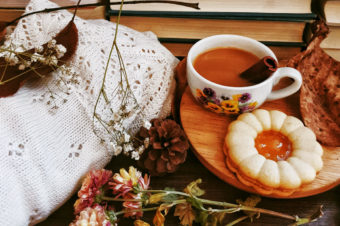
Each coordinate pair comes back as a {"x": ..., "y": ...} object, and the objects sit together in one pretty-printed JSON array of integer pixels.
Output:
[{"x": 47, "y": 142}]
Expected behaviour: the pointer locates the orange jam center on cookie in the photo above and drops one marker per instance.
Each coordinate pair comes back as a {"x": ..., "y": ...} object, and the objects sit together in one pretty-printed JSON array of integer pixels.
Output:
[{"x": 273, "y": 145}]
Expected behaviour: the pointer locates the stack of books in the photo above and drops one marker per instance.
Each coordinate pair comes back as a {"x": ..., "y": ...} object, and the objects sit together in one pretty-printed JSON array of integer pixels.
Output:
[
  {"x": 278, "y": 24},
  {"x": 330, "y": 11},
  {"x": 12, "y": 9}
]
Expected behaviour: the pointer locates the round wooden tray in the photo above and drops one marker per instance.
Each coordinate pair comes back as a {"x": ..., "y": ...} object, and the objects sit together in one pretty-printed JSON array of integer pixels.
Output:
[{"x": 206, "y": 132}]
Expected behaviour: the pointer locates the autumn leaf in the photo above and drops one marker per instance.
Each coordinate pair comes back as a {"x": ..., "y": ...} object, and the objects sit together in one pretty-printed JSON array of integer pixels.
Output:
[
  {"x": 12, "y": 77},
  {"x": 193, "y": 189},
  {"x": 161, "y": 212},
  {"x": 159, "y": 218},
  {"x": 140, "y": 223},
  {"x": 185, "y": 213},
  {"x": 250, "y": 201}
]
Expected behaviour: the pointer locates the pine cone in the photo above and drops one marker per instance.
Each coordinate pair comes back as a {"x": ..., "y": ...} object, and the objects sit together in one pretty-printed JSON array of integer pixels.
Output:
[{"x": 167, "y": 150}]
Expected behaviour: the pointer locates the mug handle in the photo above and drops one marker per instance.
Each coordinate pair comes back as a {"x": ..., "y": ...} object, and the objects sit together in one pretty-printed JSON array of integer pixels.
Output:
[{"x": 289, "y": 90}]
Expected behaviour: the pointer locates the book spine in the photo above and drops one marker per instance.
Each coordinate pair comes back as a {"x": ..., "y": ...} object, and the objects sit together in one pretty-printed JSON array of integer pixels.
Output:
[
  {"x": 293, "y": 17},
  {"x": 270, "y": 43}
]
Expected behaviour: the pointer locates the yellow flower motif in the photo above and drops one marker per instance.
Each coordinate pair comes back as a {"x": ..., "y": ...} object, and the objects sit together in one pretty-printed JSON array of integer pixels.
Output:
[
  {"x": 199, "y": 93},
  {"x": 230, "y": 106},
  {"x": 237, "y": 97},
  {"x": 214, "y": 107},
  {"x": 253, "y": 104}
]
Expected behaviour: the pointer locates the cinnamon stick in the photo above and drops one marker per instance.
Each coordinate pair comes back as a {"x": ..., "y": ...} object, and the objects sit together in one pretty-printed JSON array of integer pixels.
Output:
[{"x": 261, "y": 70}]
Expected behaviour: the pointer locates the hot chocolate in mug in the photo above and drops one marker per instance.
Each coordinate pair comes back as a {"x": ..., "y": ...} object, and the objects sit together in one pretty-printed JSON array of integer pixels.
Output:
[{"x": 231, "y": 99}]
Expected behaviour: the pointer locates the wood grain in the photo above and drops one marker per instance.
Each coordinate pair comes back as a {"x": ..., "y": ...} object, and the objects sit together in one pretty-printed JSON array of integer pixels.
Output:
[{"x": 206, "y": 131}]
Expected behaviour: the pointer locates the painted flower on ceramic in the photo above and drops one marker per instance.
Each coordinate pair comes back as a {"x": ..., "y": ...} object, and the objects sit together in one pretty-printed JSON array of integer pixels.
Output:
[
  {"x": 250, "y": 107},
  {"x": 245, "y": 97},
  {"x": 209, "y": 92},
  {"x": 238, "y": 103},
  {"x": 230, "y": 106},
  {"x": 214, "y": 107},
  {"x": 92, "y": 188},
  {"x": 199, "y": 93},
  {"x": 201, "y": 97}
]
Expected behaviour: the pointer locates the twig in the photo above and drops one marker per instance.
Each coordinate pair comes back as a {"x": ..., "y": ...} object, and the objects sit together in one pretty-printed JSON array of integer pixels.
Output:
[
  {"x": 75, "y": 11},
  {"x": 46, "y": 10}
]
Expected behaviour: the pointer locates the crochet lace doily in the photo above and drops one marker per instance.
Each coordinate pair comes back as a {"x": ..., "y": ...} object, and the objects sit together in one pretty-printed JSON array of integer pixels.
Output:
[{"x": 47, "y": 140}]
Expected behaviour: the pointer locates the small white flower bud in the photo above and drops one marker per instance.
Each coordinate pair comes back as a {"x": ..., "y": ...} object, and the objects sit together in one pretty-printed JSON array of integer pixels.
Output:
[
  {"x": 21, "y": 67},
  {"x": 147, "y": 124}
]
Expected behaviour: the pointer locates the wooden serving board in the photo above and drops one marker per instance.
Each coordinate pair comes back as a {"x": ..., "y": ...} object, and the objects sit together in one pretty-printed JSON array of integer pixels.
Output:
[{"x": 206, "y": 132}]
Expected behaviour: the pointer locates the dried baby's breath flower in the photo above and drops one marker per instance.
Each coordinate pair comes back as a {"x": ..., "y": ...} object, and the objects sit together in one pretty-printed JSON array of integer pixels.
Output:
[
  {"x": 39, "y": 49},
  {"x": 51, "y": 44},
  {"x": 12, "y": 59},
  {"x": 127, "y": 148},
  {"x": 21, "y": 67},
  {"x": 135, "y": 155},
  {"x": 147, "y": 124},
  {"x": 126, "y": 137},
  {"x": 60, "y": 50}
]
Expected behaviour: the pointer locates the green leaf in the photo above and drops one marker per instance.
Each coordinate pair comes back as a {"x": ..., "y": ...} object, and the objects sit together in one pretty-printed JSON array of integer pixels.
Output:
[
  {"x": 111, "y": 215},
  {"x": 137, "y": 188},
  {"x": 202, "y": 217},
  {"x": 99, "y": 198},
  {"x": 196, "y": 203},
  {"x": 193, "y": 188},
  {"x": 170, "y": 197}
]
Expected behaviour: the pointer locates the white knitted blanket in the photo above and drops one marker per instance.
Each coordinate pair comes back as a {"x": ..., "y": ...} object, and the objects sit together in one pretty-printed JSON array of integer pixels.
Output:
[{"x": 47, "y": 143}]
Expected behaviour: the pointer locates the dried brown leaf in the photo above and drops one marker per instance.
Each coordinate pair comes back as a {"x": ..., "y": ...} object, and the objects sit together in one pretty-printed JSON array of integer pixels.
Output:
[
  {"x": 320, "y": 91},
  {"x": 12, "y": 78}
]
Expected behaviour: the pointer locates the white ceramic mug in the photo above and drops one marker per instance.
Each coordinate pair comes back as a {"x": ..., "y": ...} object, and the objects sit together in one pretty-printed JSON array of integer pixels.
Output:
[{"x": 233, "y": 100}]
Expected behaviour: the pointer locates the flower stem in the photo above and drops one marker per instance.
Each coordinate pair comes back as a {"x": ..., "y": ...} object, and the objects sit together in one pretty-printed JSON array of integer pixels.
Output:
[
  {"x": 137, "y": 210},
  {"x": 229, "y": 205},
  {"x": 167, "y": 192},
  {"x": 247, "y": 208},
  {"x": 119, "y": 200},
  {"x": 101, "y": 91},
  {"x": 237, "y": 221}
]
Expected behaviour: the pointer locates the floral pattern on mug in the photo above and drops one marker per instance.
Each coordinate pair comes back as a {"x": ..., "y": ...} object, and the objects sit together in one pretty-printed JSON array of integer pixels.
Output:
[{"x": 238, "y": 103}]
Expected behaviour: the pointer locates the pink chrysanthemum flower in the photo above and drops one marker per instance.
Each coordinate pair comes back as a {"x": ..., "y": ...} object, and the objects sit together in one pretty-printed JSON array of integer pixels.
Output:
[
  {"x": 92, "y": 216},
  {"x": 126, "y": 184},
  {"x": 132, "y": 208},
  {"x": 91, "y": 187}
]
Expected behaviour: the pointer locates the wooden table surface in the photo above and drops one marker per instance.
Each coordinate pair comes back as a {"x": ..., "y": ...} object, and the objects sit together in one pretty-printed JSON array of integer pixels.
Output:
[{"x": 219, "y": 190}]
